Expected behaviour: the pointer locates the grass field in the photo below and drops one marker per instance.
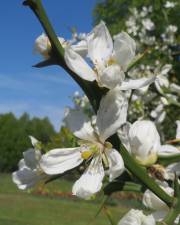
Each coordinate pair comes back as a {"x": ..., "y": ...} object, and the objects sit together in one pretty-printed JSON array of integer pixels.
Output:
[{"x": 22, "y": 208}]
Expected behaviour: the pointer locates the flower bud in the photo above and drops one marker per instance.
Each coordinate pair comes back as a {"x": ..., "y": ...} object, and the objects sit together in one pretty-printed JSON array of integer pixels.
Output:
[
  {"x": 43, "y": 45},
  {"x": 136, "y": 217},
  {"x": 144, "y": 142}
]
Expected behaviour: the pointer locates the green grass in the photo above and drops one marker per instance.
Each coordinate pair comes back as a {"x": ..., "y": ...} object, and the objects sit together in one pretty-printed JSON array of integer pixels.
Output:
[{"x": 22, "y": 208}]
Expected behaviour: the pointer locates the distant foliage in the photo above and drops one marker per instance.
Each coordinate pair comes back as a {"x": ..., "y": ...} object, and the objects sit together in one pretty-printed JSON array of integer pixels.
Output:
[{"x": 14, "y": 137}]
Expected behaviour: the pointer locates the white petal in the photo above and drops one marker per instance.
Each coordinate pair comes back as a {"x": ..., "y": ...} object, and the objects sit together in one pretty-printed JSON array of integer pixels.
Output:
[
  {"x": 111, "y": 76},
  {"x": 168, "y": 150},
  {"x": 135, "y": 84},
  {"x": 26, "y": 178},
  {"x": 144, "y": 139},
  {"x": 161, "y": 82},
  {"x": 21, "y": 164},
  {"x": 100, "y": 45},
  {"x": 31, "y": 158},
  {"x": 124, "y": 48},
  {"x": 178, "y": 129},
  {"x": 34, "y": 141},
  {"x": 159, "y": 215},
  {"x": 79, "y": 124},
  {"x": 123, "y": 134},
  {"x": 112, "y": 113},
  {"x": 116, "y": 164},
  {"x": 78, "y": 65},
  {"x": 91, "y": 181},
  {"x": 60, "y": 160},
  {"x": 150, "y": 200},
  {"x": 165, "y": 69},
  {"x": 42, "y": 45},
  {"x": 80, "y": 48},
  {"x": 136, "y": 217},
  {"x": 173, "y": 169},
  {"x": 175, "y": 88}
]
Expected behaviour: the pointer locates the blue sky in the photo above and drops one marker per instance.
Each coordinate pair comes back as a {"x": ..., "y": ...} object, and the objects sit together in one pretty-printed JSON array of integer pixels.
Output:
[{"x": 40, "y": 92}]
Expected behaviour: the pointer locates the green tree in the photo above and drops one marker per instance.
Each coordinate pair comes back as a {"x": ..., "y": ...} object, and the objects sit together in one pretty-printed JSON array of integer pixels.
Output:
[{"x": 14, "y": 138}]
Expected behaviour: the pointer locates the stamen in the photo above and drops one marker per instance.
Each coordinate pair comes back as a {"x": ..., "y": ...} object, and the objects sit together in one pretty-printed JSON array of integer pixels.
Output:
[
  {"x": 111, "y": 61},
  {"x": 86, "y": 154}
]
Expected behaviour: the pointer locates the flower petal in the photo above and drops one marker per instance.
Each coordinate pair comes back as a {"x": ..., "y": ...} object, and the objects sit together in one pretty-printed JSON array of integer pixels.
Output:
[
  {"x": 112, "y": 113},
  {"x": 116, "y": 164},
  {"x": 160, "y": 214},
  {"x": 111, "y": 76},
  {"x": 91, "y": 181},
  {"x": 175, "y": 88},
  {"x": 136, "y": 84},
  {"x": 31, "y": 158},
  {"x": 78, "y": 65},
  {"x": 34, "y": 141},
  {"x": 60, "y": 160},
  {"x": 79, "y": 124},
  {"x": 173, "y": 169},
  {"x": 124, "y": 49},
  {"x": 42, "y": 45},
  {"x": 80, "y": 48},
  {"x": 123, "y": 134},
  {"x": 150, "y": 200},
  {"x": 168, "y": 150},
  {"x": 100, "y": 45},
  {"x": 178, "y": 129},
  {"x": 26, "y": 178},
  {"x": 144, "y": 139},
  {"x": 136, "y": 217}
]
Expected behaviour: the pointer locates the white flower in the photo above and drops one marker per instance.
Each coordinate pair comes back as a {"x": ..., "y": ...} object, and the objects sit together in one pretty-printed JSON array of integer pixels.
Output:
[
  {"x": 169, "y": 4},
  {"x": 148, "y": 24},
  {"x": 43, "y": 45},
  {"x": 144, "y": 141},
  {"x": 136, "y": 217},
  {"x": 30, "y": 172},
  {"x": 111, "y": 114},
  {"x": 110, "y": 60},
  {"x": 171, "y": 29}
]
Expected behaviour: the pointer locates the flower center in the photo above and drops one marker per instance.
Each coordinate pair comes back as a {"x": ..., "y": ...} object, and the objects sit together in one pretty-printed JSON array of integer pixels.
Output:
[
  {"x": 111, "y": 61},
  {"x": 95, "y": 149}
]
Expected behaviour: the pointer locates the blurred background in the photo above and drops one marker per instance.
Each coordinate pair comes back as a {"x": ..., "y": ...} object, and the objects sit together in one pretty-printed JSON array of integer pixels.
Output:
[{"x": 32, "y": 101}]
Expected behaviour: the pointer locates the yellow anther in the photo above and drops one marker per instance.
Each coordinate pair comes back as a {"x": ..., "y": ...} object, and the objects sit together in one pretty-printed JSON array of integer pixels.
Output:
[
  {"x": 111, "y": 61},
  {"x": 86, "y": 154}
]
